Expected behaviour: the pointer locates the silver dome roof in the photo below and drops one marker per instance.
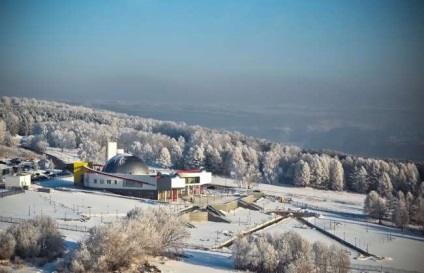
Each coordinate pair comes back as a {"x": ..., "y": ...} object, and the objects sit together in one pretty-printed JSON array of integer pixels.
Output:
[{"x": 126, "y": 164}]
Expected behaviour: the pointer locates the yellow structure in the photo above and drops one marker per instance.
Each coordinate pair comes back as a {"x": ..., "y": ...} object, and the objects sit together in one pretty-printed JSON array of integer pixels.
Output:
[{"x": 78, "y": 170}]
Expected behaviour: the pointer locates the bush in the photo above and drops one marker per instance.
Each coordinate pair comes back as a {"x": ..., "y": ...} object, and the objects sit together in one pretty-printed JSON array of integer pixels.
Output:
[
  {"x": 37, "y": 238},
  {"x": 121, "y": 244},
  {"x": 287, "y": 252},
  {"x": 7, "y": 246}
]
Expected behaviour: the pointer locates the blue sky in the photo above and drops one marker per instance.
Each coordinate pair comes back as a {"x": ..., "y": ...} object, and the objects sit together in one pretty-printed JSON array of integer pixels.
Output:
[{"x": 329, "y": 52}]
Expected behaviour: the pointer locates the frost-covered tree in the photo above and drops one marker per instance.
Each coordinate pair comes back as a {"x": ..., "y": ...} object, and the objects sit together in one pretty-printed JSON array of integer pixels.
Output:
[
  {"x": 409, "y": 199},
  {"x": 384, "y": 187},
  {"x": 401, "y": 215},
  {"x": 339, "y": 260},
  {"x": 177, "y": 155},
  {"x": 195, "y": 158},
  {"x": 144, "y": 233},
  {"x": 336, "y": 175},
  {"x": 375, "y": 206},
  {"x": 287, "y": 252},
  {"x": 419, "y": 215},
  {"x": 2, "y": 131},
  {"x": 164, "y": 158},
  {"x": 240, "y": 248},
  {"x": 301, "y": 174},
  {"x": 321, "y": 254},
  {"x": 37, "y": 238},
  {"x": 90, "y": 150},
  {"x": 213, "y": 160},
  {"x": 270, "y": 166},
  {"x": 237, "y": 165},
  {"x": 317, "y": 171},
  {"x": 359, "y": 180}
]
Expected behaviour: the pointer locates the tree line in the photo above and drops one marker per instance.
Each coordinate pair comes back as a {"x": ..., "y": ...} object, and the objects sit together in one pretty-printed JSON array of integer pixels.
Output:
[{"x": 178, "y": 145}]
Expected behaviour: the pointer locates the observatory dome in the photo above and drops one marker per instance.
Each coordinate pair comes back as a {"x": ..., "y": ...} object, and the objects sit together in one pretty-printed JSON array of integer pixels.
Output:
[{"x": 126, "y": 164}]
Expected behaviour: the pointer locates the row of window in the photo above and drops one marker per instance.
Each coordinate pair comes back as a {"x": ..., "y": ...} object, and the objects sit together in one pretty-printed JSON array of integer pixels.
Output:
[
  {"x": 128, "y": 183},
  {"x": 192, "y": 180},
  {"x": 108, "y": 181}
]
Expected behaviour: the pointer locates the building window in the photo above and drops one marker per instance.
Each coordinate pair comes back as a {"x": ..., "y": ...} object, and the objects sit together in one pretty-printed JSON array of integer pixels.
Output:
[
  {"x": 109, "y": 182},
  {"x": 95, "y": 181},
  {"x": 151, "y": 195},
  {"x": 192, "y": 180},
  {"x": 128, "y": 183},
  {"x": 102, "y": 181},
  {"x": 116, "y": 182}
]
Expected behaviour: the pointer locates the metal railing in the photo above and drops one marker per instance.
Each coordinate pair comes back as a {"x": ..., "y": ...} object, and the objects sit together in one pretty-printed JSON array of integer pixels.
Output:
[
  {"x": 72, "y": 227},
  {"x": 10, "y": 192},
  {"x": 349, "y": 215}
]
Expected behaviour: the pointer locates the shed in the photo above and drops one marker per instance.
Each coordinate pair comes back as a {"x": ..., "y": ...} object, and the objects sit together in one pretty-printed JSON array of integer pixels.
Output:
[{"x": 17, "y": 181}]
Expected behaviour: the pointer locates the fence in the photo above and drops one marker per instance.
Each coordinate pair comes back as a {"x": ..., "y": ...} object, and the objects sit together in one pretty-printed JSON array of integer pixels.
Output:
[
  {"x": 10, "y": 192},
  {"x": 72, "y": 227},
  {"x": 341, "y": 213},
  {"x": 375, "y": 268}
]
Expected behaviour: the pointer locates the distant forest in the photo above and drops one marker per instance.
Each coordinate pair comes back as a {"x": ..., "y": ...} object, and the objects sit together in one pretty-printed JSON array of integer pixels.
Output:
[{"x": 177, "y": 145}]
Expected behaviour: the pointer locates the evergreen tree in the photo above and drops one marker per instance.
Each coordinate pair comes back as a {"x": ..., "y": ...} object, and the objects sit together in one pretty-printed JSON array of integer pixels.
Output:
[
  {"x": 375, "y": 206},
  {"x": 384, "y": 187},
  {"x": 401, "y": 215},
  {"x": 301, "y": 174}
]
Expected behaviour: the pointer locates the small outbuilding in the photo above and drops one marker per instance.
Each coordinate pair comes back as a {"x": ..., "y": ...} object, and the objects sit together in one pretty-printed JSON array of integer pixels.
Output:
[{"x": 17, "y": 181}]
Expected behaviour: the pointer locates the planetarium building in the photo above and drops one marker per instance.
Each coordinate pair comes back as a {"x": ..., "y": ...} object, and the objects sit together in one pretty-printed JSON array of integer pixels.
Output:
[{"x": 129, "y": 175}]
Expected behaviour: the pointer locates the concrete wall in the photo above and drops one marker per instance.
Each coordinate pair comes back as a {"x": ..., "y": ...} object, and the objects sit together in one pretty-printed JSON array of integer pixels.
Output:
[
  {"x": 249, "y": 199},
  {"x": 232, "y": 205},
  {"x": 201, "y": 216}
]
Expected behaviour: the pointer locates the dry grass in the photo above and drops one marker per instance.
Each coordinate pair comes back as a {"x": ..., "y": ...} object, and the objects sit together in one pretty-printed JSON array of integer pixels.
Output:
[{"x": 13, "y": 152}]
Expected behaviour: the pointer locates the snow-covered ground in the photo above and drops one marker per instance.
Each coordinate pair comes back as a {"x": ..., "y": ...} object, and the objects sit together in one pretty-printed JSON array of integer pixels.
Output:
[
  {"x": 67, "y": 155},
  {"x": 403, "y": 248},
  {"x": 339, "y": 201}
]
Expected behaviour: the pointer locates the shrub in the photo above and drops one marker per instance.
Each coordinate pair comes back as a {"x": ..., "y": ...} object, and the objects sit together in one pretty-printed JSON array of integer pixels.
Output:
[
  {"x": 7, "y": 246},
  {"x": 37, "y": 238},
  {"x": 287, "y": 252},
  {"x": 119, "y": 245}
]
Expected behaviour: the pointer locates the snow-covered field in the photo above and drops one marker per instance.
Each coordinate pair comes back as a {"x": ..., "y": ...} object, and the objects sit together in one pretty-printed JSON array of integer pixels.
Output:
[{"x": 68, "y": 205}]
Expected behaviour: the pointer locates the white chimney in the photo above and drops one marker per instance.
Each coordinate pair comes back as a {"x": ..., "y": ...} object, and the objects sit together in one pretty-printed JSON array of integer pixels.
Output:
[
  {"x": 111, "y": 150},
  {"x": 120, "y": 151}
]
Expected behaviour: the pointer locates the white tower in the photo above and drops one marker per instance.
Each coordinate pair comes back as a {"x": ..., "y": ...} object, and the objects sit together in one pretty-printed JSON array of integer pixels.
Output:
[{"x": 111, "y": 150}]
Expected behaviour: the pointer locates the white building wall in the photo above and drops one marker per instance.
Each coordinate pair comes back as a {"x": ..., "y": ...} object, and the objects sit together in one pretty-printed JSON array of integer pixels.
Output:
[
  {"x": 177, "y": 182},
  {"x": 17, "y": 181},
  {"x": 102, "y": 181}
]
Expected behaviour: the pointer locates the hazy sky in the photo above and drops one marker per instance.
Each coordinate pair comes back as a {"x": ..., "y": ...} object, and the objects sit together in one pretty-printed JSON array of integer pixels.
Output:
[{"x": 328, "y": 52}]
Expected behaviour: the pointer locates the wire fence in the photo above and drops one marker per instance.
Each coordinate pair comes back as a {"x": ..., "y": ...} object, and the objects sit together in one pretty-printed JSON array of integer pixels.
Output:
[
  {"x": 349, "y": 215},
  {"x": 10, "y": 192},
  {"x": 373, "y": 268},
  {"x": 71, "y": 227}
]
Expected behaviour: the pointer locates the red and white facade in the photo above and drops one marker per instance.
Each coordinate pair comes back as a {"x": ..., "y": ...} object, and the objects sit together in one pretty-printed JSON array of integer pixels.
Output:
[{"x": 166, "y": 187}]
